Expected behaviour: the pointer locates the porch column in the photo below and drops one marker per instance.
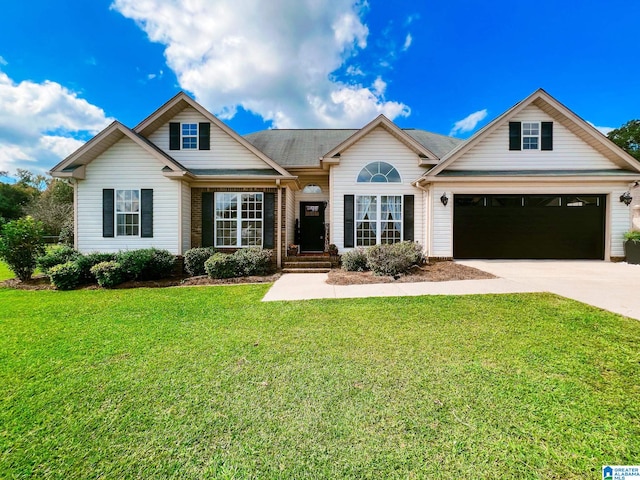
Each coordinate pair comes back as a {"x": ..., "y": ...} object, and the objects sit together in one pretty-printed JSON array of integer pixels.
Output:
[{"x": 279, "y": 227}]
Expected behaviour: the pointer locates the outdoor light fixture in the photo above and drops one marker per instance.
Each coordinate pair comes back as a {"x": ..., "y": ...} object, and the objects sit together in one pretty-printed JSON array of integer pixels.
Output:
[
  {"x": 626, "y": 198},
  {"x": 445, "y": 200}
]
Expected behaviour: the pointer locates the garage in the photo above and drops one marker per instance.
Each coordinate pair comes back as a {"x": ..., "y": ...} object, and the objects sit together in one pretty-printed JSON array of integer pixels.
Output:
[{"x": 550, "y": 226}]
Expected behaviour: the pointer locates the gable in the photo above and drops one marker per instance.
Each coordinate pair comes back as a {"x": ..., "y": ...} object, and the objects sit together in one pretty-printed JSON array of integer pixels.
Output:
[
  {"x": 224, "y": 151},
  {"x": 379, "y": 145},
  {"x": 569, "y": 151}
]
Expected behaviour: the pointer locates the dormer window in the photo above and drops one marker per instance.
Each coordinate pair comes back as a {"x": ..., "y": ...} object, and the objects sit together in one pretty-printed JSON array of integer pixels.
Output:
[
  {"x": 530, "y": 135},
  {"x": 189, "y": 136}
]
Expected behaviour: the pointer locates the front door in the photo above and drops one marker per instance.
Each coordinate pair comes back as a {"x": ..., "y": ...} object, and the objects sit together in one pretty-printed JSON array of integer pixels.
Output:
[{"x": 312, "y": 226}]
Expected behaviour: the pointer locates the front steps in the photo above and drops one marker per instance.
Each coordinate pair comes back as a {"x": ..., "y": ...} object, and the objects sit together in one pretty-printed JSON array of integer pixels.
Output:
[{"x": 307, "y": 264}]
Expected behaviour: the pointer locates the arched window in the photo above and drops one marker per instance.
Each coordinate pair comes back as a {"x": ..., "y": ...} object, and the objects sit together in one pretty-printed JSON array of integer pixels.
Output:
[
  {"x": 379, "y": 172},
  {"x": 312, "y": 188}
]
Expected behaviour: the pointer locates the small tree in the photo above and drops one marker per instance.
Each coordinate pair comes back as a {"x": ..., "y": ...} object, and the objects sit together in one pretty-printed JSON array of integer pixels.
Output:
[
  {"x": 627, "y": 137},
  {"x": 21, "y": 244}
]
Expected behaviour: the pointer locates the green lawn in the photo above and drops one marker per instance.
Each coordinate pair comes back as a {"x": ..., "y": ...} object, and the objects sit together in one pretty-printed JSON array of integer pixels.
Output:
[
  {"x": 5, "y": 273},
  {"x": 208, "y": 382}
]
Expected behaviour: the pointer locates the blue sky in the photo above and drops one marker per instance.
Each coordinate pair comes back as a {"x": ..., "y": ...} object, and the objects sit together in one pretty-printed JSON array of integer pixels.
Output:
[{"x": 67, "y": 69}]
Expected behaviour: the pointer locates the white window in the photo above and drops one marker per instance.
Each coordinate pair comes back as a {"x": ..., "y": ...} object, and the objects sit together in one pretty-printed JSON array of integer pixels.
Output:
[
  {"x": 379, "y": 172},
  {"x": 238, "y": 219},
  {"x": 128, "y": 212},
  {"x": 312, "y": 188},
  {"x": 378, "y": 219},
  {"x": 530, "y": 135},
  {"x": 189, "y": 136}
]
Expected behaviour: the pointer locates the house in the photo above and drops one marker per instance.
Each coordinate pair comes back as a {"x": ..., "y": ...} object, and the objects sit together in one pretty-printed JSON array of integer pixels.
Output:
[{"x": 537, "y": 182}]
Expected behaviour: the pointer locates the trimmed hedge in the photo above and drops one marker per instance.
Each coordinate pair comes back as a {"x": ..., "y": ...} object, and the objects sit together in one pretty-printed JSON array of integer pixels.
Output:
[
  {"x": 65, "y": 276},
  {"x": 355, "y": 260},
  {"x": 86, "y": 262},
  {"x": 393, "y": 259},
  {"x": 146, "y": 263},
  {"x": 221, "y": 265},
  {"x": 253, "y": 261},
  {"x": 56, "y": 255},
  {"x": 194, "y": 260},
  {"x": 108, "y": 274}
]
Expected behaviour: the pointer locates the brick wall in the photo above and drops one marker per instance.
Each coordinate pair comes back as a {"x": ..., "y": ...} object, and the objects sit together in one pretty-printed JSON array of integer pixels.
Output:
[{"x": 196, "y": 213}]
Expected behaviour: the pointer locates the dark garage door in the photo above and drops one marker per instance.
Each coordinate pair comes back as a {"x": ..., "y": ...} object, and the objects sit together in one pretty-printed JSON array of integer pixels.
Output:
[{"x": 529, "y": 226}]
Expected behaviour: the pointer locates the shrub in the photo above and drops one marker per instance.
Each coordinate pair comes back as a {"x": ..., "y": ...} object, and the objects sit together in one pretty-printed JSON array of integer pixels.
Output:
[
  {"x": 86, "y": 262},
  {"x": 355, "y": 260},
  {"x": 65, "y": 276},
  {"x": 394, "y": 258},
  {"x": 66, "y": 233},
  {"x": 108, "y": 274},
  {"x": 253, "y": 261},
  {"x": 632, "y": 236},
  {"x": 146, "y": 263},
  {"x": 56, "y": 255},
  {"x": 194, "y": 260},
  {"x": 21, "y": 244},
  {"x": 221, "y": 265}
]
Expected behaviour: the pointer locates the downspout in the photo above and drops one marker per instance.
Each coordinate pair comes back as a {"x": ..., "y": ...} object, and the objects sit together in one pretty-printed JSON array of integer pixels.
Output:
[
  {"x": 428, "y": 220},
  {"x": 74, "y": 182},
  {"x": 279, "y": 227}
]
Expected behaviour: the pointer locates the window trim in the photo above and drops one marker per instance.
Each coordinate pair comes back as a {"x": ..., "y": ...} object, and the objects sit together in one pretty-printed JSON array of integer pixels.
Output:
[
  {"x": 524, "y": 136},
  {"x": 183, "y": 136},
  {"x": 378, "y": 221},
  {"x": 138, "y": 213},
  {"x": 239, "y": 219}
]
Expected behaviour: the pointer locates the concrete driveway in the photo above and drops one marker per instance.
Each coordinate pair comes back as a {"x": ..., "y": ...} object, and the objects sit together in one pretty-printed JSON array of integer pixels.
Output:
[{"x": 611, "y": 286}]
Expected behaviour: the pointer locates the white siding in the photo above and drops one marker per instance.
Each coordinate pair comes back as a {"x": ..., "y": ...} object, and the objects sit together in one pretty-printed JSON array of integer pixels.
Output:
[
  {"x": 290, "y": 217},
  {"x": 225, "y": 151},
  {"x": 378, "y": 145},
  {"x": 569, "y": 151},
  {"x": 618, "y": 216},
  {"x": 323, "y": 182},
  {"x": 186, "y": 216},
  {"x": 127, "y": 166}
]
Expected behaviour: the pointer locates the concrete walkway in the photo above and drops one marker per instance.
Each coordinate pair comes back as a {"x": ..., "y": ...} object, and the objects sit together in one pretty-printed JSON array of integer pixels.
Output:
[{"x": 611, "y": 286}]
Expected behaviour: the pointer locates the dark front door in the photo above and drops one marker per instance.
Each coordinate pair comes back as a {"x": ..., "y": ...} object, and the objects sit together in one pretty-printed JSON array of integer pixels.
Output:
[
  {"x": 312, "y": 226},
  {"x": 529, "y": 226}
]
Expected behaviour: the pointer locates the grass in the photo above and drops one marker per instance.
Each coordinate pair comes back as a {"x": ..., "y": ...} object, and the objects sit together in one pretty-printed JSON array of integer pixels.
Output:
[
  {"x": 5, "y": 273},
  {"x": 210, "y": 383}
]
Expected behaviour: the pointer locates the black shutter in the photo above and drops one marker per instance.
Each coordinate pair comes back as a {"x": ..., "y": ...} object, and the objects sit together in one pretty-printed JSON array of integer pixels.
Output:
[
  {"x": 146, "y": 213},
  {"x": 547, "y": 136},
  {"x": 515, "y": 133},
  {"x": 408, "y": 218},
  {"x": 107, "y": 212},
  {"x": 349, "y": 215},
  {"x": 269, "y": 219},
  {"x": 204, "y": 130},
  {"x": 174, "y": 136},
  {"x": 207, "y": 219}
]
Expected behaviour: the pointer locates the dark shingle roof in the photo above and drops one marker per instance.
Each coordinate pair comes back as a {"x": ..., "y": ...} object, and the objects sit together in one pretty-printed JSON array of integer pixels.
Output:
[{"x": 304, "y": 147}]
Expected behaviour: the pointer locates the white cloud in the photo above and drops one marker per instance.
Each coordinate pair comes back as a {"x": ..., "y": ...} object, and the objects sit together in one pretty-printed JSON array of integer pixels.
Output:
[
  {"x": 468, "y": 123},
  {"x": 274, "y": 58},
  {"x": 3, "y": 61},
  {"x": 603, "y": 130},
  {"x": 407, "y": 42},
  {"x": 41, "y": 123}
]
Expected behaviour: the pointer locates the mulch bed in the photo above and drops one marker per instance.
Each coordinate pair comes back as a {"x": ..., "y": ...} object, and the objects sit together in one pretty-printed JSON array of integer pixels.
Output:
[
  {"x": 41, "y": 282},
  {"x": 431, "y": 272}
]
